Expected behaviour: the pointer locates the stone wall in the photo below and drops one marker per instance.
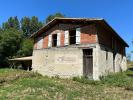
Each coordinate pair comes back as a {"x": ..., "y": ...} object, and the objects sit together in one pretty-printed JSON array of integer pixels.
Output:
[
  {"x": 65, "y": 62},
  {"x": 105, "y": 60},
  {"x": 120, "y": 63},
  {"x": 68, "y": 61},
  {"x": 107, "y": 63}
]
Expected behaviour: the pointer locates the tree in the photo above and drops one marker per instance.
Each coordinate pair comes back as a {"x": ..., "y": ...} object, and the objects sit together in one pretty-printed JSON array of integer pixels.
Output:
[
  {"x": 35, "y": 24},
  {"x": 10, "y": 40},
  {"x": 30, "y": 25},
  {"x": 51, "y": 17},
  {"x": 25, "y": 26},
  {"x": 12, "y": 22},
  {"x": 26, "y": 48}
]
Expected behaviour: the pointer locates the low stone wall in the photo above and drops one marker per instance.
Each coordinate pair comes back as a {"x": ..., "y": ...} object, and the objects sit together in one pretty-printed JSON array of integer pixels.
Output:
[{"x": 65, "y": 62}]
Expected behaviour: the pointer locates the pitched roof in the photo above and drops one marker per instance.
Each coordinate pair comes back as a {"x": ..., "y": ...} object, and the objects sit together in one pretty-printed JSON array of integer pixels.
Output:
[{"x": 79, "y": 20}]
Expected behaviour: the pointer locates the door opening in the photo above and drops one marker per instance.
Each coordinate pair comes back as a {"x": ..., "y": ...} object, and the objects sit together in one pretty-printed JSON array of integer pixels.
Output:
[{"x": 88, "y": 62}]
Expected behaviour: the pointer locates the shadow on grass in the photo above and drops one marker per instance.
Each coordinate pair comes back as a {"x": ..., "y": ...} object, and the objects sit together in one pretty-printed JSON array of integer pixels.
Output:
[
  {"x": 130, "y": 72},
  {"x": 131, "y": 69}
]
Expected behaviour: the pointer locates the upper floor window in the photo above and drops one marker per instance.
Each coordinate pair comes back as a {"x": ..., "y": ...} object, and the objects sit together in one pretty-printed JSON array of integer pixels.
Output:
[
  {"x": 54, "y": 40},
  {"x": 72, "y": 37}
]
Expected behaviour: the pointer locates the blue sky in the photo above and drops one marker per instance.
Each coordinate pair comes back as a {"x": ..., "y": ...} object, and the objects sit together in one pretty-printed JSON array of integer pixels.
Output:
[{"x": 118, "y": 13}]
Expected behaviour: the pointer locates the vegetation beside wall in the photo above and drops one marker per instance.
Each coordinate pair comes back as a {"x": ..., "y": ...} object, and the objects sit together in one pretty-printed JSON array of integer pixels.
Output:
[{"x": 124, "y": 80}]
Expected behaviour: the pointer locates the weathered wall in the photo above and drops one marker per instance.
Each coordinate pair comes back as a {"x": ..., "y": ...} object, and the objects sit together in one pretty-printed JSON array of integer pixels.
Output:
[
  {"x": 65, "y": 62},
  {"x": 105, "y": 60},
  {"x": 120, "y": 63},
  {"x": 68, "y": 61},
  {"x": 107, "y": 63}
]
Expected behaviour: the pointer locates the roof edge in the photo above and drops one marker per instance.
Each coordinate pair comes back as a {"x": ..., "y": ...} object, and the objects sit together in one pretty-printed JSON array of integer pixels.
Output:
[
  {"x": 116, "y": 33},
  {"x": 59, "y": 18}
]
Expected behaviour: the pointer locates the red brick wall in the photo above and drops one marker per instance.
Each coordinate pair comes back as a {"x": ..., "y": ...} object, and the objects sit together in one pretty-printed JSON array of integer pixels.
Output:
[
  {"x": 45, "y": 41},
  {"x": 62, "y": 38},
  {"x": 88, "y": 34}
]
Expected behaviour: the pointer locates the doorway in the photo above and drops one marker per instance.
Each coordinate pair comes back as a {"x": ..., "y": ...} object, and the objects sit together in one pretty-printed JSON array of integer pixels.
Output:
[{"x": 88, "y": 63}]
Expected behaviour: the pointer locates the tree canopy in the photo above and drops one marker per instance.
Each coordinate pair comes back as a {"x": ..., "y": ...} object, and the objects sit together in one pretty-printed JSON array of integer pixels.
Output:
[
  {"x": 30, "y": 25},
  {"x": 14, "y": 36},
  {"x": 9, "y": 44}
]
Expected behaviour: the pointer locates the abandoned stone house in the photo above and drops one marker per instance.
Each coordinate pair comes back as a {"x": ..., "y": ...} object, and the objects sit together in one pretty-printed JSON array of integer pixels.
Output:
[{"x": 70, "y": 47}]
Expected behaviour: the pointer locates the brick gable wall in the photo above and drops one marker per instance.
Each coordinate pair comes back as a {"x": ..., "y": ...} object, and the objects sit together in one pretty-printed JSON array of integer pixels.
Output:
[{"x": 88, "y": 34}]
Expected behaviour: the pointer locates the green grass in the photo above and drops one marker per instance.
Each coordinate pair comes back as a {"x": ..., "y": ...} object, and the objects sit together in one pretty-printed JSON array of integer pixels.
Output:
[{"x": 23, "y": 85}]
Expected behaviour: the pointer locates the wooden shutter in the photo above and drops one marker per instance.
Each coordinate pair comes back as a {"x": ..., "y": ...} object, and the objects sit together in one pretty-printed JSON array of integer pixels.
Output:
[
  {"x": 50, "y": 41},
  {"x": 40, "y": 43},
  {"x": 78, "y": 36},
  {"x": 66, "y": 37},
  {"x": 58, "y": 39}
]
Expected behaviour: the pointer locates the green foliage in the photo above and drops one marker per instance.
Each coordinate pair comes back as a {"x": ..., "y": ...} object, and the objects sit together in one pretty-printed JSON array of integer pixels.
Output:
[
  {"x": 9, "y": 44},
  {"x": 85, "y": 80},
  {"x": 30, "y": 25},
  {"x": 35, "y": 24},
  {"x": 12, "y": 22},
  {"x": 116, "y": 79},
  {"x": 14, "y": 40},
  {"x": 25, "y": 26},
  {"x": 26, "y": 48},
  {"x": 14, "y": 36},
  {"x": 51, "y": 17}
]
